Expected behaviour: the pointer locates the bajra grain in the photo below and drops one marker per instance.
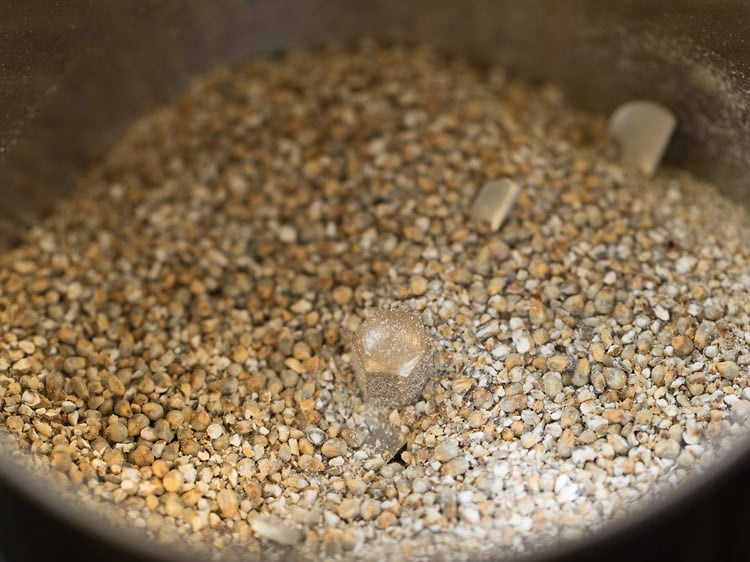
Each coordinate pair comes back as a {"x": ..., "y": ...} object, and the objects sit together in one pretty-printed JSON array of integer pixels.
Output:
[{"x": 179, "y": 327}]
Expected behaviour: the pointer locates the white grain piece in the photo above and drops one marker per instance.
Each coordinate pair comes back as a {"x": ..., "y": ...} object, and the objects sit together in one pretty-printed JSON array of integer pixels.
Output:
[
  {"x": 274, "y": 529},
  {"x": 214, "y": 431}
]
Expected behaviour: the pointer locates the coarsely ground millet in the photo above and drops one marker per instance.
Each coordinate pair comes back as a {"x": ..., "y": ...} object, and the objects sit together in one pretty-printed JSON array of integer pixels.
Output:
[{"x": 175, "y": 336}]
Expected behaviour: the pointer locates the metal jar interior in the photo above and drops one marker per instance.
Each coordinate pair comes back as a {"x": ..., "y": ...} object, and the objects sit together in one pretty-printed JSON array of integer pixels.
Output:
[{"x": 74, "y": 74}]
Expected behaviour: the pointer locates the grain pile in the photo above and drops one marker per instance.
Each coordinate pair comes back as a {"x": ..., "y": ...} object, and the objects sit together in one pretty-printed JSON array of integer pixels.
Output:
[{"x": 175, "y": 336}]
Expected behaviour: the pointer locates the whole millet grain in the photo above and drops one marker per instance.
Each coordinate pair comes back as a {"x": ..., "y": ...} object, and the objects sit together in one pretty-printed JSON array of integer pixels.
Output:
[{"x": 176, "y": 333}]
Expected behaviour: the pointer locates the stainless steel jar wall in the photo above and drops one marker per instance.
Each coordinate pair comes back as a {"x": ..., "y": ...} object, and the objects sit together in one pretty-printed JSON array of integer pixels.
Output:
[{"x": 74, "y": 73}]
